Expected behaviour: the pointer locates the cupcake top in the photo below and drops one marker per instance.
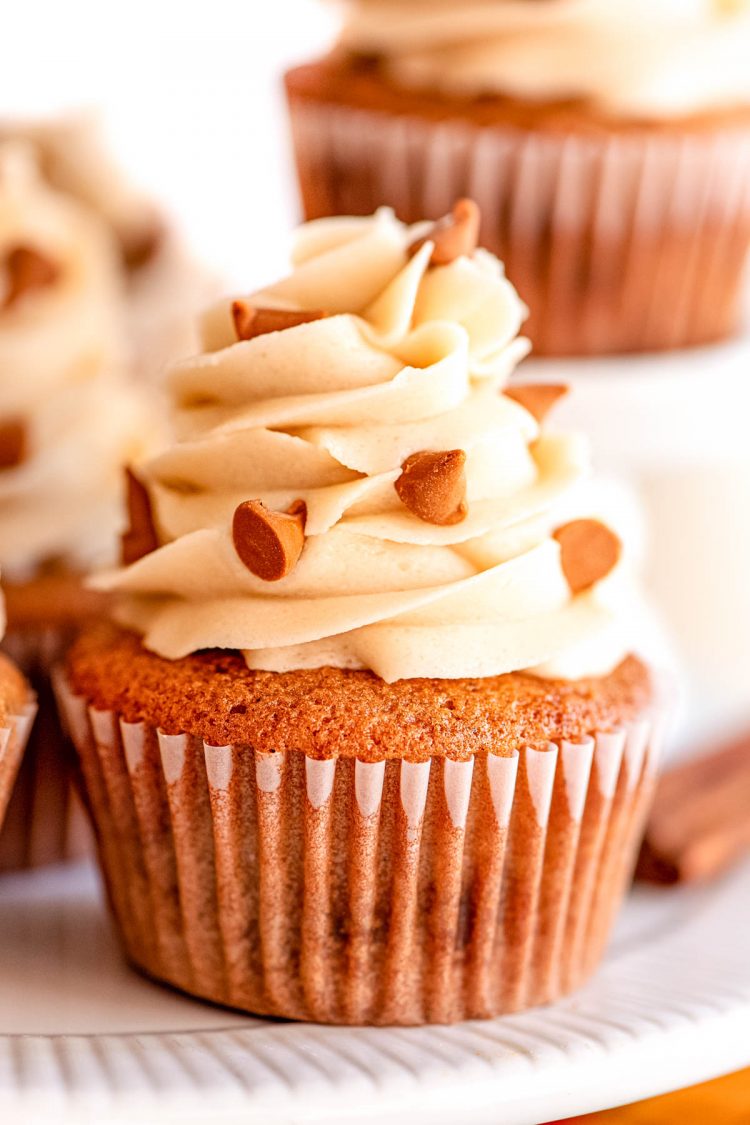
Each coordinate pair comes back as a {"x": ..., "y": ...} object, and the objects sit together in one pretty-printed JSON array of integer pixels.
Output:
[
  {"x": 67, "y": 421},
  {"x": 632, "y": 58},
  {"x": 74, "y": 161},
  {"x": 353, "y": 488}
]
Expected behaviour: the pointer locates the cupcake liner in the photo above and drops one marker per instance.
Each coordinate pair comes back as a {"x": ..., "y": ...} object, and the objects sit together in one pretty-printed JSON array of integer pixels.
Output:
[
  {"x": 349, "y": 892},
  {"x": 13, "y": 740},
  {"x": 45, "y": 822},
  {"x": 616, "y": 241}
]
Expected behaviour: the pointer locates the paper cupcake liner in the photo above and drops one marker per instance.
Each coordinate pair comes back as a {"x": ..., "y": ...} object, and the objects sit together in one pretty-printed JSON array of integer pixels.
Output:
[
  {"x": 13, "y": 740},
  {"x": 617, "y": 243},
  {"x": 345, "y": 892},
  {"x": 45, "y": 822}
]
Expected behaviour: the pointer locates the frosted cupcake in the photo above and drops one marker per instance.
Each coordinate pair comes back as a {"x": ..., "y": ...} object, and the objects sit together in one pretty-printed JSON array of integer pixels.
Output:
[
  {"x": 608, "y": 145},
  {"x": 368, "y": 743},
  {"x": 163, "y": 287},
  {"x": 67, "y": 424}
]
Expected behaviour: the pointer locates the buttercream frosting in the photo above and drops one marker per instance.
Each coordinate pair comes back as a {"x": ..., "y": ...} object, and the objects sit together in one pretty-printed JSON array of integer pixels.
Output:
[
  {"x": 410, "y": 357},
  {"x": 74, "y": 160},
  {"x": 164, "y": 287},
  {"x": 60, "y": 354},
  {"x": 641, "y": 58}
]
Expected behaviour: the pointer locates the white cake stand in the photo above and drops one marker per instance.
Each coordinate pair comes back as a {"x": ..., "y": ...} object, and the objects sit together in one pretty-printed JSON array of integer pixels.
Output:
[{"x": 84, "y": 1039}]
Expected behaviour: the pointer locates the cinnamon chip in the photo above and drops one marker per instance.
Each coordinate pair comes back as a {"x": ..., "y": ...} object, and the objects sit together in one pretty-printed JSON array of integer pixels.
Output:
[
  {"x": 27, "y": 269},
  {"x": 537, "y": 398},
  {"x": 269, "y": 543},
  {"x": 454, "y": 236},
  {"x": 12, "y": 443},
  {"x": 588, "y": 552},
  {"x": 433, "y": 486},
  {"x": 250, "y": 321},
  {"x": 140, "y": 539},
  {"x": 140, "y": 246}
]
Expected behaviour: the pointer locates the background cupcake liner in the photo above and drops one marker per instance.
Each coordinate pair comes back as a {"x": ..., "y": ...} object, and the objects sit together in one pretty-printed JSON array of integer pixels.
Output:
[
  {"x": 45, "y": 822},
  {"x": 346, "y": 892},
  {"x": 617, "y": 242},
  {"x": 13, "y": 739}
]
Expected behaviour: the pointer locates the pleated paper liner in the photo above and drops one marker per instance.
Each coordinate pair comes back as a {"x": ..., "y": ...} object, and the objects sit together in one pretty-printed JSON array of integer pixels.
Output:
[
  {"x": 13, "y": 739},
  {"x": 617, "y": 243},
  {"x": 44, "y": 822},
  {"x": 346, "y": 892}
]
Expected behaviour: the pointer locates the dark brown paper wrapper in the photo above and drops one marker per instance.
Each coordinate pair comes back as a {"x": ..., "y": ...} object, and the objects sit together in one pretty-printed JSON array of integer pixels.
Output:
[
  {"x": 617, "y": 242},
  {"x": 354, "y": 893}
]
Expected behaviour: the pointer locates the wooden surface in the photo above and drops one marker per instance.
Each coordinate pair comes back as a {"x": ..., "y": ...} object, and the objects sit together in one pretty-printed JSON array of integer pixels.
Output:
[{"x": 725, "y": 1101}]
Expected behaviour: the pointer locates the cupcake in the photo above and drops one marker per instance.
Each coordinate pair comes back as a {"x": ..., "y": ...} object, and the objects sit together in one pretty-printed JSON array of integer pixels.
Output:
[
  {"x": 163, "y": 287},
  {"x": 367, "y": 741},
  {"x": 67, "y": 423},
  {"x": 17, "y": 709},
  {"x": 608, "y": 145}
]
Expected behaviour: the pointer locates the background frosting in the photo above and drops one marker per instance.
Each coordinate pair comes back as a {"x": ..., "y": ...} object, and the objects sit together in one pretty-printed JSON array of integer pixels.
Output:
[
  {"x": 628, "y": 57},
  {"x": 74, "y": 161},
  {"x": 60, "y": 350},
  {"x": 412, "y": 358}
]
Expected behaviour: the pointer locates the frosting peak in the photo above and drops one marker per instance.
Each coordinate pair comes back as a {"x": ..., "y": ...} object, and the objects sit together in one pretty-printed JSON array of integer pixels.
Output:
[
  {"x": 304, "y": 439},
  {"x": 642, "y": 58}
]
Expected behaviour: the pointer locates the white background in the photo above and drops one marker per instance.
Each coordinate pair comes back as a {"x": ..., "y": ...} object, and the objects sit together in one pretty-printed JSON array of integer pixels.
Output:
[{"x": 192, "y": 100}]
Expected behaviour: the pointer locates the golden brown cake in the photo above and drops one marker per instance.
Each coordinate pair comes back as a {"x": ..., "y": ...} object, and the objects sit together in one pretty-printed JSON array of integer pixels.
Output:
[
  {"x": 277, "y": 914},
  {"x": 608, "y": 146},
  {"x": 368, "y": 743}
]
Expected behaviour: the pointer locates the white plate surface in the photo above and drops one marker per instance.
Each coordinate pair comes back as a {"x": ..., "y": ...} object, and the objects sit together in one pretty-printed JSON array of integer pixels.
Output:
[{"x": 84, "y": 1039}]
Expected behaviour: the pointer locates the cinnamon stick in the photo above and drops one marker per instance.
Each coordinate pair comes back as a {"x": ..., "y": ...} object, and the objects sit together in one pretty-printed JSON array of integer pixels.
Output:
[{"x": 700, "y": 821}]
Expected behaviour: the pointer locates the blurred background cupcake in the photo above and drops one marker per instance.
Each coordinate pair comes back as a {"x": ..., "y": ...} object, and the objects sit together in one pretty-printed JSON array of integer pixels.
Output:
[
  {"x": 162, "y": 285},
  {"x": 69, "y": 421},
  {"x": 608, "y": 145}
]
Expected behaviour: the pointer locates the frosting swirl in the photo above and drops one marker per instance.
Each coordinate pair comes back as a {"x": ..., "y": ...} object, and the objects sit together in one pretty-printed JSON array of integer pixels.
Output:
[
  {"x": 410, "y": 357},
  {"x": 69, "y": 419},
  {"x": 74, "y": 161},
  {"x": 643, "y": 58}
]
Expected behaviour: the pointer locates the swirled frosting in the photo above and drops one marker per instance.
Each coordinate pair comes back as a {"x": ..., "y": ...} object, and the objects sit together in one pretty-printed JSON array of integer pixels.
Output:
[
  {"x": 163, "y": 286},
  {"x": 74, "y": 161},
  {"x": 641, "y": 58},
  {"x": 60, "y": 348},
  {"x": 410, "y": 357}
]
